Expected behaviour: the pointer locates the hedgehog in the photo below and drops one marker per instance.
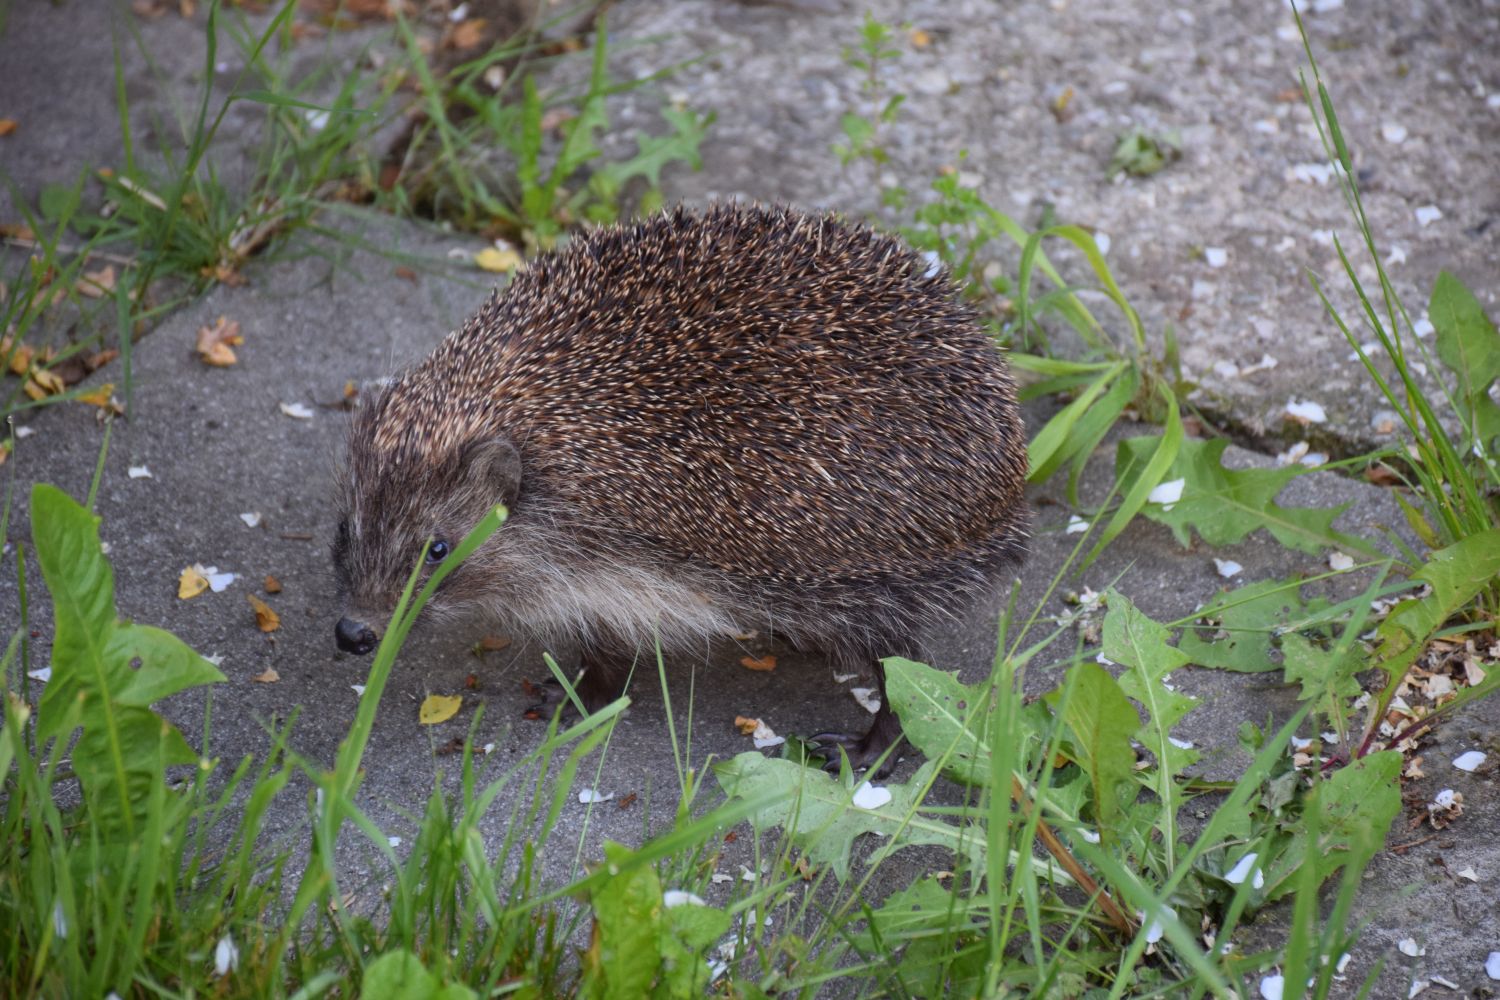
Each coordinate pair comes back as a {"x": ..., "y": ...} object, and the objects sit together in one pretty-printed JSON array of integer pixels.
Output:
[{"x": 706, "y": 423}]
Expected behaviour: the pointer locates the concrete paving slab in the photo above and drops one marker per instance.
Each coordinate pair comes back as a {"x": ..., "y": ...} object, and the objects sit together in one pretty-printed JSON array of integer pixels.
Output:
[{"x": 1416, "y": 87}]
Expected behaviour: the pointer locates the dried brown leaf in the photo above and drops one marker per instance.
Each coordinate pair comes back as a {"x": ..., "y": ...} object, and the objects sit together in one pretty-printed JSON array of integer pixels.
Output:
[{"x": 265, "y": 618}]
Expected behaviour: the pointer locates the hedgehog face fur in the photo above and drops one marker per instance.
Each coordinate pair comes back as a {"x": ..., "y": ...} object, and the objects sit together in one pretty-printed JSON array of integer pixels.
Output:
[
  {"x": 393, "y": 508},
  {"x": 745, "y": 418}
]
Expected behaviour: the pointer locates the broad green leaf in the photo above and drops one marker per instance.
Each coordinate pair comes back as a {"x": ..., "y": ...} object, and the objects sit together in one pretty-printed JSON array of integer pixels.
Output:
[
  {"x": 622, "y": 961},
  {"x": 1248, "y": 618},
  {"x": 1101, "y": 722},
  {"x": 1225, "y": 505},
  {"x": 1455, "y": 575},
  {"x": 942, "y": 717},
  {"x": 688, "y": 931},
  {"x": 1467, "y": 340},
  {"x": 1469, "y": 344},
  {"x": 822, "y": 820},
  {"x": 1355, "y": 807},
  {"x": 1141, "y": 645},
  {"x": 96, "y": 682},
  {"x": 1135, "y": 641},
  {"x": 1325, "y": 676},
  {"x": 938, "y": 935},
  {"x": 400, "y": 975}
]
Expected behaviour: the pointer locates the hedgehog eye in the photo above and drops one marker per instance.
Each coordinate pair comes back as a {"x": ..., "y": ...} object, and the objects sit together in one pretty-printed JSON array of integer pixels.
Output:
[{"x": 437, "y": 552}]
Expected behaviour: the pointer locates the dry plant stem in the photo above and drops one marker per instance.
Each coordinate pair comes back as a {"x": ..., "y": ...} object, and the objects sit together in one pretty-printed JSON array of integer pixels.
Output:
[
  {"x": 1070, "y": 864},
  {"x": 109, "y": 258}
]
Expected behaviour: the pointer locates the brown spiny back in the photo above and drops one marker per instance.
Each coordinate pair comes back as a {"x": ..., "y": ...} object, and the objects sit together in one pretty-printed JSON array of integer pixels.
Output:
[{"x": 779, "y": 395}]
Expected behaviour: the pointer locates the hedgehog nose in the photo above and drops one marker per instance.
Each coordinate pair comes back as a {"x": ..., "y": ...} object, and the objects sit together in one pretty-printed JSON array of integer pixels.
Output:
[{"x": 354, "y": 637}]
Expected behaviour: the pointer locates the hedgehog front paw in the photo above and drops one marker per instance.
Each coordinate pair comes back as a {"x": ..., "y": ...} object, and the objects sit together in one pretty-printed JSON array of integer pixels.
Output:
[{"x": 553, "y": 697}]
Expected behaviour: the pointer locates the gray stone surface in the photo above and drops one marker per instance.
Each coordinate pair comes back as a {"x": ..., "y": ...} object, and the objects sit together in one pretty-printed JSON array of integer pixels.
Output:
[
  {"x": 325, "y": 313},
  {"x": 1219, "y": 73}
]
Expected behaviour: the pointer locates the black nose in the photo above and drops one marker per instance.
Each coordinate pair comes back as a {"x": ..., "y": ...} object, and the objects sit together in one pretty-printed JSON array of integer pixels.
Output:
[{"x": 354, "y": 637}]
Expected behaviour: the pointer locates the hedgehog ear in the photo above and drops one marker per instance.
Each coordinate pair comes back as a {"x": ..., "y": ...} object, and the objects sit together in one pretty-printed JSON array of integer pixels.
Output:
[{"x": 494, "y": 465}]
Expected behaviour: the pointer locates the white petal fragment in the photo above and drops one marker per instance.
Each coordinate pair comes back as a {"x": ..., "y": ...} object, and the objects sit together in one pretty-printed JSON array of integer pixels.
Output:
[
  {"x": 1339, "y": 562},
  {"x": 1271, "y": 987},
  {"x": 589, "y": 795},
  {"x": 1410, "y": 948},
  {"x": 1215, "y": 256},
  {"x": 251, "y": 519},
  {"x": 219, "y": 582},
  {"x": 1167, "y": 493},
  {"x": 868, "y": 796},
  {"x": 1077, "y": 525},
  {"x": 1156, "y": 930},
  {"x": 139, "y": 472},
  {"x": 1227, "y": 567},
  {"x": 1243, "y": 870},
  {"x": 679, "y": 897},
  {"x": 1306, "y": 411},
  {"x": 1469, "y": 761},
  {"x": 226, "y": 956},
  {"x": 868, "y": 698},
  {"x": 1428, "y": 214},
  {"x": 1492, "y": 965},
  {"x": 297, "y": 411}
]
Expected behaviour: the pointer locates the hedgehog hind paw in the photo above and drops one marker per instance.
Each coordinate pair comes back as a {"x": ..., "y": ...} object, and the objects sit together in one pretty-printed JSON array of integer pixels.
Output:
[{"x": 863, "y": 751}]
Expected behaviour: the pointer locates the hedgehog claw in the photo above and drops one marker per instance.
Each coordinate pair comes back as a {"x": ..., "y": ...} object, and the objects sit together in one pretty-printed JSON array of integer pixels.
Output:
[{"x": 862, "y": 751}]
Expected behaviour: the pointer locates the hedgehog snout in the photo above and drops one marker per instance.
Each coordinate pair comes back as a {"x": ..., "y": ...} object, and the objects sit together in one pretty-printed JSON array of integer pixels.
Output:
[{"x": 354, "y": 636}]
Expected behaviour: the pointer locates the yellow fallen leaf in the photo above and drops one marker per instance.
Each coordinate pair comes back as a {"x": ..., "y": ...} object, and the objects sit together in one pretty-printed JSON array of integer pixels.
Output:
[
  {"x": 102, "y": 397},
  {"x": 44, "y": 383},
  {"x": 20, "y": 356},
  {"x": 495, "y": 259},
  {"x": 767, "y": 662},
  {"x": 267, "y": 619},
  {"x": 919, "y": 38},
  {"x": 191, "y": 583},
  {"x": 7, "y": 126},
  {"x": 439, "y": 708},
  {"x": 269, "y": 677},
  {"x": 744, "y": 725}
]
